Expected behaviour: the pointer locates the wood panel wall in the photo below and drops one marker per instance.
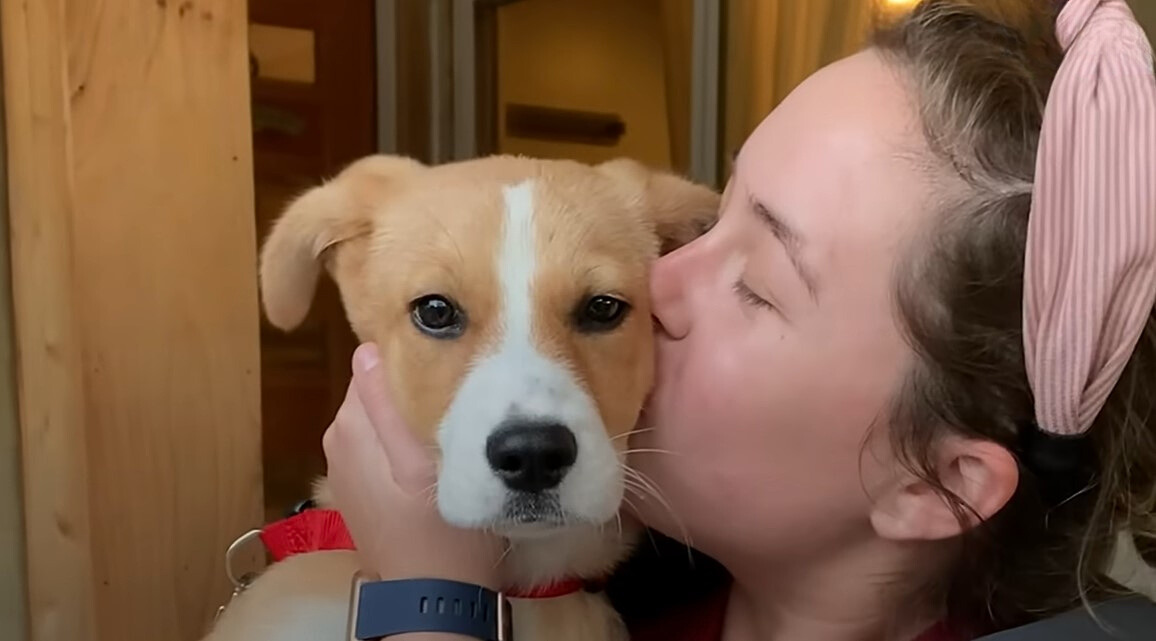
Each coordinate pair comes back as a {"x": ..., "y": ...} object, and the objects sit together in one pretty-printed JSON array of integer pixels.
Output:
[{"x": 136, "y": 319}]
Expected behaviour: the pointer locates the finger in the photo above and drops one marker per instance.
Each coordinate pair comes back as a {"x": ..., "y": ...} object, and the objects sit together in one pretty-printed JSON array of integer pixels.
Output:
[
  {"x": 350, "y": 427},
  {"x": 372, "y": 386},
  {"x": 351, "y": 441},
  {"x": 408, "y": 457}
]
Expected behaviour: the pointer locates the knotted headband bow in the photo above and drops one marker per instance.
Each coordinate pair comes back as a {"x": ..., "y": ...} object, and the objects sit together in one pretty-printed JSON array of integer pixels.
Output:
[{"x": 1090, "y": 271}]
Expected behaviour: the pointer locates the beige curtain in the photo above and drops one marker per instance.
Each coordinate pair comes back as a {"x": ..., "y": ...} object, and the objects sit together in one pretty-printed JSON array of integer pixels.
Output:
[
  {"x": 769, "y": 47},
  {"x": 1145, "y": 11},
  {"x": 772, "y": 45},
  {"x": 677, "y": 44}
]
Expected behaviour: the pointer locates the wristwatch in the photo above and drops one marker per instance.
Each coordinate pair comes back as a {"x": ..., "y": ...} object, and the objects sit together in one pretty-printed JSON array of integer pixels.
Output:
[{"x": 382, "y": 609}]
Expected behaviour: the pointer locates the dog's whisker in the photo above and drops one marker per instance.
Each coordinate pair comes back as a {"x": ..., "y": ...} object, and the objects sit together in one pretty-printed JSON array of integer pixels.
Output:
[
  {"x": 683, "y": 532},
  {"x": 649, "y": 533},
  {"x": 687, "y": 540},
  {"x": 505, "y": 553},
  {"x": 431, "y": 493},
  {"x": 653, "y": 487},
  {"x": 643, "y": 492},
  {"x": 629, "y": 503},
  {"x": 642, "y": 477},
  {"x": 631, "y": 433},
  {"x": 649, "y": 450},
  {"x": 637, "y": 479}
]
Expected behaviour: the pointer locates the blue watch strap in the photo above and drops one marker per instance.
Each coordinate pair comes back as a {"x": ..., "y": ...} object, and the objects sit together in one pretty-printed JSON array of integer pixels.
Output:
[{"x": 387, "y": 608}]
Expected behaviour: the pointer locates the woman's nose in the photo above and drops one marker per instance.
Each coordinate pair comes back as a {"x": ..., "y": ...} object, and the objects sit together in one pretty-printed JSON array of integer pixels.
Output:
[{"x": 670, "y": 281}]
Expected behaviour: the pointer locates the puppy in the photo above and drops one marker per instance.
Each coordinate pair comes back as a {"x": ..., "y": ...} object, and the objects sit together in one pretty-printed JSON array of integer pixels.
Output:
[{"x": 510, "y": 299}]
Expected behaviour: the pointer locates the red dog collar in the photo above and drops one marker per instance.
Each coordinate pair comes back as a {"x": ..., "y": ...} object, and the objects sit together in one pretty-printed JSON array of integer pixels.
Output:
[
  {"x": 556, "y": 589},
  {"x": 317, "y": 530},
  {"x": 306, "y": 531}
]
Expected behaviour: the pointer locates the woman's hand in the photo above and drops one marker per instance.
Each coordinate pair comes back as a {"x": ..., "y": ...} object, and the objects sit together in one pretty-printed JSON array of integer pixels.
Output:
[{"x": 382, "y": 480}]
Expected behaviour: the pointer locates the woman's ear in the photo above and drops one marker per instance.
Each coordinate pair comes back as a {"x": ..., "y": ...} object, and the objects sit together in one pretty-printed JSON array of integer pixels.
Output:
[{"x": 981, "y": 474}]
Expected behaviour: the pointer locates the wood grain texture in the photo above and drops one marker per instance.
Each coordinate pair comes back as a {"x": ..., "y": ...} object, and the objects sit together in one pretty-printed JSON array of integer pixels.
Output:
[
  {"x": 130, "y": 169},
  {"x": 61, "y": 591}
]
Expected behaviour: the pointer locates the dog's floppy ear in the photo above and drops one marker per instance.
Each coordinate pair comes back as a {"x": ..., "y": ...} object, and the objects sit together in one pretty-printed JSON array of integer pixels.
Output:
[
  {"x": 680, "y": 209},
  {"x": 317, "y": 222}
]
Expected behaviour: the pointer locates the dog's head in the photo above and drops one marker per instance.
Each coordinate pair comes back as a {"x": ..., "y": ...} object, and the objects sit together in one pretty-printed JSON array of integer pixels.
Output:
[{"x": 509, "y": 297}]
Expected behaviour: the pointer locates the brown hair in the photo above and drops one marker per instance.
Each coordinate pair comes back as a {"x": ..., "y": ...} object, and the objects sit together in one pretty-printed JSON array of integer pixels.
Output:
[{"x": 979, "y": 75}]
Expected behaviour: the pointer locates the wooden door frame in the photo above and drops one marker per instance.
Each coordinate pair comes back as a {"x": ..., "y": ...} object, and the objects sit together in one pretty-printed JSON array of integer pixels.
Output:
[{"x": 337, "y": 116}]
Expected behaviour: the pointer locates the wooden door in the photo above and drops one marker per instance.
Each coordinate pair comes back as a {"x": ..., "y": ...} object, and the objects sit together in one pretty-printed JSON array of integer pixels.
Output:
[{"x": 314, "y": 111}]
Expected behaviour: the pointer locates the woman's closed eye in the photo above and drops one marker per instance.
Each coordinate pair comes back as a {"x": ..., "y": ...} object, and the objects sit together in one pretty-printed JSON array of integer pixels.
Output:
[{"x": 748, "y": 296}]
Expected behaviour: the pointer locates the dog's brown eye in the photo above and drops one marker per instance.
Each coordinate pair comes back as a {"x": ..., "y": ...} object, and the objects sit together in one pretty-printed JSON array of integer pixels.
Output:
[
  {"x": 437, "y": 316},
  {"x": 601, "y": 313}
]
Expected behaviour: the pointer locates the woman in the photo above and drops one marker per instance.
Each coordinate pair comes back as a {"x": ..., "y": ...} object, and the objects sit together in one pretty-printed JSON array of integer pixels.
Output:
[{"x": 864, "y": 434}]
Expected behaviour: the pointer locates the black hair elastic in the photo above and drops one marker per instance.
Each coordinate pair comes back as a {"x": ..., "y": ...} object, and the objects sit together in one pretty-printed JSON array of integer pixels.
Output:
[{"x": 1063, "y": 465}]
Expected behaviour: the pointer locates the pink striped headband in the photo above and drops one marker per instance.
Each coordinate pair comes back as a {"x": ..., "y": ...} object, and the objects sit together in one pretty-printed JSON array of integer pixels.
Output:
[{"x": 1090, "y": 271}]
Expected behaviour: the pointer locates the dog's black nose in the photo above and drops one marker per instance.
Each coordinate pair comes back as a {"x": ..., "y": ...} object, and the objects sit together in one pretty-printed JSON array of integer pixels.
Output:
[{"x": 531, "y": 456}]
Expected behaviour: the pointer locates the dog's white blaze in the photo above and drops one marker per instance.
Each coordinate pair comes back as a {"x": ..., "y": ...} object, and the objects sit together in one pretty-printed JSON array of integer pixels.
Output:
[
  {"x": 516, "y": 265},
  {"x": 515, "y": 380}
]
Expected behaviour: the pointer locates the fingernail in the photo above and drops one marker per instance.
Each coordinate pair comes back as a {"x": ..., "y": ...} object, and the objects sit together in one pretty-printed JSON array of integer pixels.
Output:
[{"x": 366, "y": 357}]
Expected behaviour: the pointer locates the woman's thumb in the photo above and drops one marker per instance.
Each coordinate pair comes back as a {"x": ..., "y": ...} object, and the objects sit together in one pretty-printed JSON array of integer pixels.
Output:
[{"x": 408, "y": 457}]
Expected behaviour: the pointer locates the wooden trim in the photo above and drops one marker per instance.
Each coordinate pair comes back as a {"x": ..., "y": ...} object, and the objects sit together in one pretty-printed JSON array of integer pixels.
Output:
[
  {"x": 563, "y": 125},
  {"x": 133, "y": 251},
  {"x": 300, "y": 14}
]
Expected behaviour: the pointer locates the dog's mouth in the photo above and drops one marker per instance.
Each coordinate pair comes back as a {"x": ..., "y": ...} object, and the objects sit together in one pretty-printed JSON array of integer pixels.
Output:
[{"x": 533, "y": 512}]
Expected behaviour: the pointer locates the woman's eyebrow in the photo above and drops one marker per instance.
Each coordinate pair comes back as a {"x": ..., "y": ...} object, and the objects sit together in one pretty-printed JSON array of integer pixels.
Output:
[{"x": 792, "y": 242}]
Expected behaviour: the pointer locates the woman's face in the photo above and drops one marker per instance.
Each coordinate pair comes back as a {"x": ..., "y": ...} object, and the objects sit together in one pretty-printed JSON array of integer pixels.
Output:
[{"x": 779, "y": 346}]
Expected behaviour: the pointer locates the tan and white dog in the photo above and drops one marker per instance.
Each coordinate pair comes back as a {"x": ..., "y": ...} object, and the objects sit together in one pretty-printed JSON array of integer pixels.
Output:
[{"x": 510, "y": 298}]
